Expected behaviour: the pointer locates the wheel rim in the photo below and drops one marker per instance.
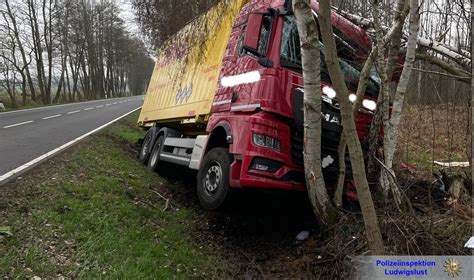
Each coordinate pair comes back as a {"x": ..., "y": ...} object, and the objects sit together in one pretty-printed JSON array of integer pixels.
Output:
[{"x": 213, "y": 178}]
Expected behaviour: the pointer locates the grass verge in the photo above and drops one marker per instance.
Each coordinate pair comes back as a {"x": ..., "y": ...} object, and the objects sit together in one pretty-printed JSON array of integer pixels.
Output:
[{"x": 94, "y": 213}]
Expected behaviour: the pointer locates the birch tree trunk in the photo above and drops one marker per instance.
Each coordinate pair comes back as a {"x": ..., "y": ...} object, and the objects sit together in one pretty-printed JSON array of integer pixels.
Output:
[
  {"x": 310, "y": 54},
  {"x": 384, "y": 98},
  {"x": 392, "y": 35},
  {"x": 386, "y": 71},
  {"x": 374, "y": 237},
  {"x": 391, "y": 138}
]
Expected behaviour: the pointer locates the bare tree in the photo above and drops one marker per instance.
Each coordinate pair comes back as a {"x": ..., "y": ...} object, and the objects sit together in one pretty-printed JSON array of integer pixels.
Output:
[
  {"x": 374, "y": 236},
  {"x": 70, "y": 50},
  {"x": 310, "y": 54},
  {"x": 390, "y": 141},
  {"x": 9, "y": 15}
]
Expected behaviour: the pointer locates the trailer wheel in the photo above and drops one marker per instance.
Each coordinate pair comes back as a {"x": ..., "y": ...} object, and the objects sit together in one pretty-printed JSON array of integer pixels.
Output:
[
  {"x": 154, "y": 161},
  {"x": 147, "y": 145},
  {"x": 213, "y": 178}
]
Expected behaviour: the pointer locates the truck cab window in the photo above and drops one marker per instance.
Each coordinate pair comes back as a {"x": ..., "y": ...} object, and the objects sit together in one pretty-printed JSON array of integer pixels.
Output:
[
  {"x": 263, "y": 41},
  {"x": 346, "y": 50},
  {"x": 290, "y": 51},
  {"x": 265, "y": 35}
]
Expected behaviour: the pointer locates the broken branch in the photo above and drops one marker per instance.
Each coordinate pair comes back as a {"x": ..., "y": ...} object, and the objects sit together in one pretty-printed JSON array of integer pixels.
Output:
[{"x": 167, "y": 201}]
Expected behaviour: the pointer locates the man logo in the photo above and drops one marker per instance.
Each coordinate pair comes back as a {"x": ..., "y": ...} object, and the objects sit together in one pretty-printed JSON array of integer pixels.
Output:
[{"x": 330, "y": 119}]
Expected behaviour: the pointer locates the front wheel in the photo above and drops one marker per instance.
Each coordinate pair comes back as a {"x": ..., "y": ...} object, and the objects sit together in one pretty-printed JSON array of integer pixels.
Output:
[{"x": 213, "y": 178}]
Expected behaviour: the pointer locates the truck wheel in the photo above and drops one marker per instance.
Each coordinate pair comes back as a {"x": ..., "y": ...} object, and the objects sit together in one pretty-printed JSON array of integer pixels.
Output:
[
  {"x": 147, "y": 145},
  {"x": 154, "y": 161},
  {"x": 213, "y": 178}
]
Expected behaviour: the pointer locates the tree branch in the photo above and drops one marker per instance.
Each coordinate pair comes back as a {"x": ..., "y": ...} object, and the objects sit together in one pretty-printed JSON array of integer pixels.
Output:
[{"x": 464, "y": 76}]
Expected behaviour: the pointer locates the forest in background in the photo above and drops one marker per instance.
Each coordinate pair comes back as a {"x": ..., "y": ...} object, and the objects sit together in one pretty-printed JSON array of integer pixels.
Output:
[{"x": 66, "y": 50}]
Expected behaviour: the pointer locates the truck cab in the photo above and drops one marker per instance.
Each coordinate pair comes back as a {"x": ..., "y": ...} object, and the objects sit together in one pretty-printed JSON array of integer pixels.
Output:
[{"x": 254, "y": 135}]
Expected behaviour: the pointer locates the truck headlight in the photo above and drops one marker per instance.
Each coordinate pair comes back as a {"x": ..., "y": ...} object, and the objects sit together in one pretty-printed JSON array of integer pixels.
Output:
[
  {"x": 352, "y": 97},
  {"x": 266, "y": 141},
  {"x": 369, "y": 104},
  {"x": 329, "y": 91}
]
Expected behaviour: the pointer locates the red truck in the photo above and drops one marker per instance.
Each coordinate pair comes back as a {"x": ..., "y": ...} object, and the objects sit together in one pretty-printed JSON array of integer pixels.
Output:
[{"x": 235, "y": 113}]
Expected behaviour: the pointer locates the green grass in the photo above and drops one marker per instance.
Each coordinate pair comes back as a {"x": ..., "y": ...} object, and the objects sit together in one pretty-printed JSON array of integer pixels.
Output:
[{"x": 94, "y": 216}]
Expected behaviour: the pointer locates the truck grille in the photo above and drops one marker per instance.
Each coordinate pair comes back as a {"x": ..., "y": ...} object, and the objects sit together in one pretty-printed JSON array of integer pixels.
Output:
[
  {"x": 297, "y": 146},
  {"x": 331, "y": 134},
  {"x": 329, "y": 143}
]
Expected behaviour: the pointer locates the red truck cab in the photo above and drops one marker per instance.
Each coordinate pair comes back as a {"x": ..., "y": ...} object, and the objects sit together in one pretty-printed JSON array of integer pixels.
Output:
[
  {"x": 258, "y": 104},
  {"x": 254, "y": 135}
]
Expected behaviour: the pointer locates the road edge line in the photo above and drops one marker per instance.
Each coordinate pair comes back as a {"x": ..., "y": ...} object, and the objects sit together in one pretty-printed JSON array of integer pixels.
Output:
[
  {"x": 25, "y": 167},
  {"x": 68, "y": 104}
]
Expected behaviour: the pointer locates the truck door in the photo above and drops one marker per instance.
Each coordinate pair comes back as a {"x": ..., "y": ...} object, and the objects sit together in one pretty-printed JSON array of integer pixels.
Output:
[{"x": 241, "y": 68}]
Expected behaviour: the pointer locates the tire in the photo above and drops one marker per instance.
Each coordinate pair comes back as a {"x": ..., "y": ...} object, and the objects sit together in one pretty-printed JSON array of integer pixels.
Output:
[
  {"x": 147, "y": 145},
  {"x": 154, "y": 158},
  {"x": 213, "y": 178}
]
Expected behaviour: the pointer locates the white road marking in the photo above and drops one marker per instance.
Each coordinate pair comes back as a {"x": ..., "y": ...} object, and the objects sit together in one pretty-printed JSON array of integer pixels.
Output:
[
  {"x": 108, "y": 104},
  {"x": 73, "y": 112},
  {"x": 54, "y": 106},
  {"x": 17, "y": 124},
  {"x": 87, "y": 109},
  {"x": 51, "y": 153},
  {"x": 51, "y": 117},
  {"x": 114, "y": 103},
  {"x": 99, "y": 106}
]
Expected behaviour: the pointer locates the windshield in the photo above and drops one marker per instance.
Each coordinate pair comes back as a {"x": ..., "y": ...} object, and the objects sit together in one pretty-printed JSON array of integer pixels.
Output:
[{"x": 290, "y": 57}]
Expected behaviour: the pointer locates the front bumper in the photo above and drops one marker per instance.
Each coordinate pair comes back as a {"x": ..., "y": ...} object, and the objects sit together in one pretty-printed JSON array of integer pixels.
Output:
[{"x": 282, "y": 173}]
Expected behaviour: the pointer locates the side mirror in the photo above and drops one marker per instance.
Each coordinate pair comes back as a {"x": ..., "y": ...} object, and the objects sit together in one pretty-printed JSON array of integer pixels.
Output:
[{"x": 252, "y": 32}]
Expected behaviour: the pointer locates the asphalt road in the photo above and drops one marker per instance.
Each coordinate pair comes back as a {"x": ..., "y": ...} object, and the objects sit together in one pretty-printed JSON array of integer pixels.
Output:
[{"x": 28, "y": 134}]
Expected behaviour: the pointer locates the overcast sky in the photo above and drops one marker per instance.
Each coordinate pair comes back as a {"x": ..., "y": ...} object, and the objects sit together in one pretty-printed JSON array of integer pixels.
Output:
[{"x": 128, "y": 16}]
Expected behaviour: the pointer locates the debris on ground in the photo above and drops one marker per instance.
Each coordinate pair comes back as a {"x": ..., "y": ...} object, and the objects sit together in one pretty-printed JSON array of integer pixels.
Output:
[
  {"x": 302, "y": 236},
  {"x": 452, "y": 163},
  {"x": 470, "y": 243}
]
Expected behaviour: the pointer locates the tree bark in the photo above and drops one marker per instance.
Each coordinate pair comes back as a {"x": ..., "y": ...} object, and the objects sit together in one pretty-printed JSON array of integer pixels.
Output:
[
  {"x": 38, "y": 48},
  {"x": 386, "y": 71},
  {"x": 374, "y": 237},
  {"x": 310, "y": 54},
  {"x": 390, "y": 141},
  {"x": 361, "y": 88}
]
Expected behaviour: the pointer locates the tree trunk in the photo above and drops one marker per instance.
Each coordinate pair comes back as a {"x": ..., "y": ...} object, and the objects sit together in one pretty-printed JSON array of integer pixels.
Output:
[
  {"x": 310, "y": 55},
  {"x": 22, "y": 52},
  {"x": 38, "y": 49},
  {"x": 374, "y": 237},
  {"x": 386, "y": 71},
  {"x": 392, "y": 37},
  {"x": 391, "y": 138}
]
